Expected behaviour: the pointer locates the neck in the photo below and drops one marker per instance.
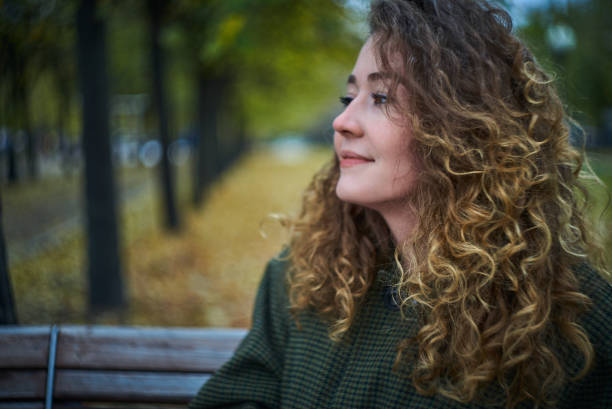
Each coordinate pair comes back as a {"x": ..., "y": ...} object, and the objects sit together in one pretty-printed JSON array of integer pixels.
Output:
[{"x": 400, "y": 220}]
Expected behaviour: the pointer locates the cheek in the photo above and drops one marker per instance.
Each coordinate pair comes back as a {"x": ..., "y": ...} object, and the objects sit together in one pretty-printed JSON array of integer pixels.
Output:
[
  {"x": 408, "y": 173},
  {"x": 394, "y": 145},
  {"x": 336, "y": 142},
  {"x": 402, "y": 167}
]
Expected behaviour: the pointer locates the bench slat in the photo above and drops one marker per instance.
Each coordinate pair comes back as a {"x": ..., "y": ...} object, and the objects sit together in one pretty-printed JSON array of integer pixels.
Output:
[
  {"x": 59, "y": 404},
  {"x": 117, "y": 386},
  {"x": 177, "y": 349},
  {"x": 126, "y": 365},
  {"x": 22, "y": 384},
  {"x": 24, "y": 347},
  {"x": 106, "y": 386},
  {"x": 24, "y": 405}
]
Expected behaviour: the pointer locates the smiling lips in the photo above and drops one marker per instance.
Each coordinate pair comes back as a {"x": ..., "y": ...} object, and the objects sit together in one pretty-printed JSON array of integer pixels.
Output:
[{"x": 349, "y": 158}]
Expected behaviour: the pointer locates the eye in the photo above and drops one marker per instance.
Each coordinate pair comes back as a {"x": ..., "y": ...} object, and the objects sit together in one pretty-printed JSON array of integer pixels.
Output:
[
  {"x": 379, "y": 98},
  {"x": 346, "y": 100}
]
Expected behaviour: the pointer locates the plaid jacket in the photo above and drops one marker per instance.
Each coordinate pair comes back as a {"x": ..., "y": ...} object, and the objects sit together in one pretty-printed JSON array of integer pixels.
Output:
[{"x": 280, "y": 366}]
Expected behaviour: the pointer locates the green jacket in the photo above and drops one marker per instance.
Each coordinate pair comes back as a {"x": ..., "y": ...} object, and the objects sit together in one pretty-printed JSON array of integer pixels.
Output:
[{"x": 280, "y": 366}]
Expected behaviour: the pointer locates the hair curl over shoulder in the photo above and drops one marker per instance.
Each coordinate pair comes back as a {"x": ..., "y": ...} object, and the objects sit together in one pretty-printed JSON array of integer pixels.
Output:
[{"x": 491, "y": 265}]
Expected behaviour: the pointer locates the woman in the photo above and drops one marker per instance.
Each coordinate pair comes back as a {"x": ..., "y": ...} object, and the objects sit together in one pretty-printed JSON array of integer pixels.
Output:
[{"x": 443, "y": 258}]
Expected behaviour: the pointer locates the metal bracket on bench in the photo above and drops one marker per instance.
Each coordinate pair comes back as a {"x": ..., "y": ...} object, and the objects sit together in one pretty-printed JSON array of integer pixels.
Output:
[{"x": 51, "y": 367}]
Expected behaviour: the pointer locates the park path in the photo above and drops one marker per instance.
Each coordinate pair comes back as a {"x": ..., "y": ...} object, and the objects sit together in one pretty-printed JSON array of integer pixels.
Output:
[
  {"x": 40, "y": 215},
  {"x": 205, "y": 276}
]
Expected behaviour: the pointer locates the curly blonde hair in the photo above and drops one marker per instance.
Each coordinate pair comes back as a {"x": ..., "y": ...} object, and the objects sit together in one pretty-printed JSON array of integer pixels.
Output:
[{"x": 492, "y": 265}]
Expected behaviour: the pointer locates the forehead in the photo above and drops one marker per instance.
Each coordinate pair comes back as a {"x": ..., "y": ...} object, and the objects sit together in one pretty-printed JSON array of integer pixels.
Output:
[
  {"x": 366, "y": 63},
  {"x": 368, "y": 69}
]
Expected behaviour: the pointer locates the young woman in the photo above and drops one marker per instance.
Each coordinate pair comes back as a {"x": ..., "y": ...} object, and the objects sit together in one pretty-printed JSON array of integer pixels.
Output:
[{"x": 443, "y": 258}]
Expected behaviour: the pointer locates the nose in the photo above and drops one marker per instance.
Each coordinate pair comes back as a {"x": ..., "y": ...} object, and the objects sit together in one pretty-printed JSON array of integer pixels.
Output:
[{"x": 347, "y": 123}]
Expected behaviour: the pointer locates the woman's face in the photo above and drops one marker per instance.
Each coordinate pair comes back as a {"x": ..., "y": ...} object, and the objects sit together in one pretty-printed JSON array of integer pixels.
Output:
[{"x": 377, "y": 167}]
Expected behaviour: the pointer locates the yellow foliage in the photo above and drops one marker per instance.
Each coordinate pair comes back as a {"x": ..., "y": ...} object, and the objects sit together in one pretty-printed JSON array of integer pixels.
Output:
[
  {"x": 226, "y": 34},
  {"x": 205, "y": 276}
]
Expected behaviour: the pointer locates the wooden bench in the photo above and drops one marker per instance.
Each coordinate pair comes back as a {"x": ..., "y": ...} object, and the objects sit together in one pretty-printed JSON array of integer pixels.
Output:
[{"x": 85, "y": 366}]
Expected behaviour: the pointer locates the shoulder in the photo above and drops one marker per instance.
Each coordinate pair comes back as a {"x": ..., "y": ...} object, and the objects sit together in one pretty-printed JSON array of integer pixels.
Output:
[
  {"x": 599, "y": 290},
  {"x": 592, "y": 281},
  {"x": 275, "y": 277},
  {"x": 272, "y": 301},
  {"x": 595, "y": 389},
  {"x": 597, "y": 320}
]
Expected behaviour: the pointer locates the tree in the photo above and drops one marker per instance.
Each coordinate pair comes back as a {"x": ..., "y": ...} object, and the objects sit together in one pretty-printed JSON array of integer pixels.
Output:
[
  {"x": 36, "y": 38},
  {"x": 261, "y": 54},
  {"x": 105, "y": 282},
  {"x": 16, "y": 53},
  {"x": 8, "y": 55},
  {"x": 156, "y": 9},
  {"x": 584, "y": 64},
  {"x": 207, "y": 164},
  {"x": 7, "y": 308}
]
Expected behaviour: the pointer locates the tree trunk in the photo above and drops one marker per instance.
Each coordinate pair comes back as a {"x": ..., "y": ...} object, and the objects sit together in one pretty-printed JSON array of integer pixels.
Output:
[
  {"x": 11, "y": 161},
  {"x": 63, "y": 114},
  {"x": 159, "y": 99},
  {"x": 31, "y": 140},
  {"x": 210, "y": 92},
  {"x": 7, "y": 307},
  {"x": 22, "y": 102},
  {"x": 105, "y": 283},
  {"x": 242, "y": 138}
]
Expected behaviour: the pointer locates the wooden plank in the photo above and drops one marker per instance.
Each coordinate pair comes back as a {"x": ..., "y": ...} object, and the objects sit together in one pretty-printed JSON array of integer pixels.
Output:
[
  {"x": 24, "y": 347},
  {"x": 142, "y": 349},
  {"x": 118, "y": 386},
  {"x": 58, "y": 404},
  {"x": 24, "y": 405},
  {"x": 132, "y": 355},
  {"x": 22, "y": 384}
]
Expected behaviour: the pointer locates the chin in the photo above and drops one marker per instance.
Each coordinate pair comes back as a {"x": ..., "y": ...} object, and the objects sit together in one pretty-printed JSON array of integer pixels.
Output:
[
  {"x": 343, "y": 195},
  {"x": 351, "y": 195}
]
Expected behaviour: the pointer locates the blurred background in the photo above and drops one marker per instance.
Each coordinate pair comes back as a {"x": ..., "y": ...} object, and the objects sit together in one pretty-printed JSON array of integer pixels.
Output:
[{"x": 146, "y": 145}]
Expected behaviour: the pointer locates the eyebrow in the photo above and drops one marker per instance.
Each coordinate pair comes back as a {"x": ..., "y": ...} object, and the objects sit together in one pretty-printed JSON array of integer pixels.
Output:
[{"x": 372, "y": 77}]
